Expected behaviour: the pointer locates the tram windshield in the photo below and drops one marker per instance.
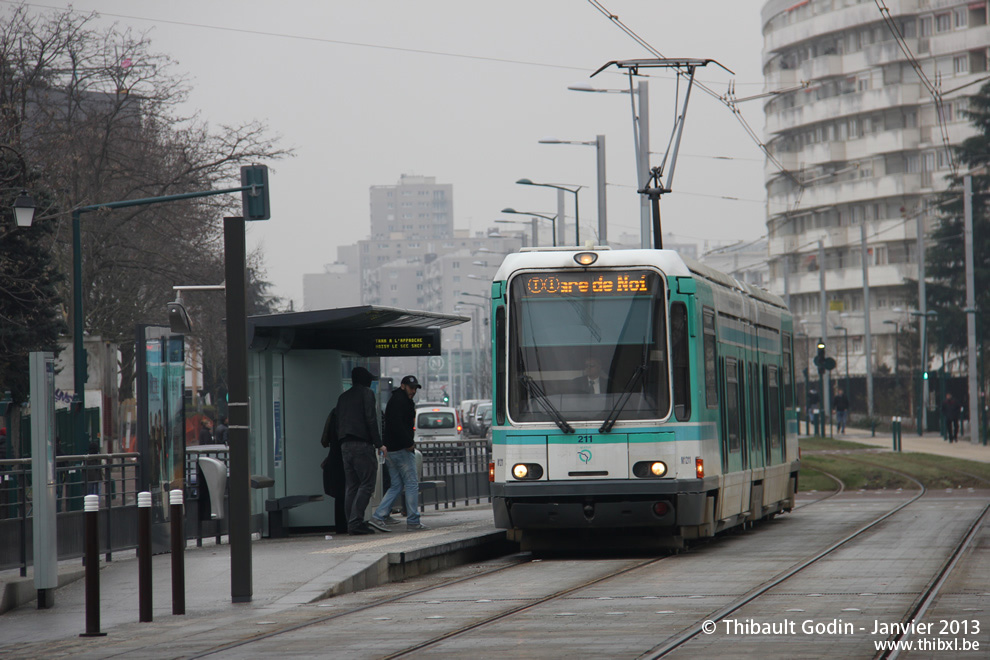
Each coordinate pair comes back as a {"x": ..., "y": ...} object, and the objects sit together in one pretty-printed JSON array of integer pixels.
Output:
[{"x": 580, "y": 341}]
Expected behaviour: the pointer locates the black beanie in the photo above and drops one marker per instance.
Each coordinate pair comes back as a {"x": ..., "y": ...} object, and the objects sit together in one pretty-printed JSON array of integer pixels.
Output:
[{"x": 361, "y": 376}]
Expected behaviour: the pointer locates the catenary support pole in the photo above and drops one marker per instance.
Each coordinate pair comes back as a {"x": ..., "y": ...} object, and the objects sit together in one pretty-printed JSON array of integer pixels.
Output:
[
  {"x": 973, "y": 405},
  {"x": 241, "y": 587}
]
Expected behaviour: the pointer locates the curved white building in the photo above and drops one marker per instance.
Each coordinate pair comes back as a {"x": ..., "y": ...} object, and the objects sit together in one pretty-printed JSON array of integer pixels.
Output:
[{"x": 857, "y": 133}]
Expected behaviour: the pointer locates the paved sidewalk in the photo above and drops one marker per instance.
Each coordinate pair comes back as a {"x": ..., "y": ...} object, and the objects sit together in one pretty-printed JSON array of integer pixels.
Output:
[
  {"x": 930, "y": 443},
  {"x": 286, "y": 573}
]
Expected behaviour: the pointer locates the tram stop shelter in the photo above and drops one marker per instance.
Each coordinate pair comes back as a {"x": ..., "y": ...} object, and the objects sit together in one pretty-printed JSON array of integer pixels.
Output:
[{"x": 298, "y": 364}]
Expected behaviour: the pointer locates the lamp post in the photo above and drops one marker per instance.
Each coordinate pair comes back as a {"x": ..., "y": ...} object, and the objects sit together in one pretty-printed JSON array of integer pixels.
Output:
[
  {"x": 599, "y": 144},
  {"x": 923, "y": 330},
  {"x": 846, "y": 332},
  {"x": 897, "y": 341},
  {"x": 255, "y": 203},
  {"x": 551, "y": 218},
  {"x": 574, "y": 191},
  {"x": 475, "y": 340},
  {"x": 641, "y": 142},
  {"x": 533, "y": 227}
]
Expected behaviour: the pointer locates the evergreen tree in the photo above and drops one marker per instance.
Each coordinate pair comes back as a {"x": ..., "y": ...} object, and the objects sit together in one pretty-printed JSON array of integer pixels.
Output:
[
  {"x": 945, "y": 256},
  {"x": 30, "y": 319}
]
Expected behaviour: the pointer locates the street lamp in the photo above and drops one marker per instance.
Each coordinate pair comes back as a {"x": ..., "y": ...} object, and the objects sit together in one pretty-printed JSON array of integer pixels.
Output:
[
  {"x": 551, "y": 218},
  {"x": 846, "y": 331},
  {"x": 574, "y": 191},
  {"x": 599, "y": 144},
  {"x": 24, "y": 207}
]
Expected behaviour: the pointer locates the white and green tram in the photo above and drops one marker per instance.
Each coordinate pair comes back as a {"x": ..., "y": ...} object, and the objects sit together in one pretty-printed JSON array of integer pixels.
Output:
[{"x": 637, "y": 395}]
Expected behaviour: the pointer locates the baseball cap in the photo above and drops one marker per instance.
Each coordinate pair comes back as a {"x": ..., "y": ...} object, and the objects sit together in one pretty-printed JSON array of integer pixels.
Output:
[{"x": 411, "y": 380}]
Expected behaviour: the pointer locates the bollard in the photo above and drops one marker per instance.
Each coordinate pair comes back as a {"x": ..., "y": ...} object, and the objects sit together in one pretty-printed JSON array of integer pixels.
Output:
[
  {"x": 92, "y": 541},
  {"x": 895, "y": 425},
  {"x": 178, "y": 553},
  {"x": 144, "y": 556}
]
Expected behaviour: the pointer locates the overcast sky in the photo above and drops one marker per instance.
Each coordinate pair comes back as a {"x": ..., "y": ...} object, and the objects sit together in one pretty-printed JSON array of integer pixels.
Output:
[{"x": 462, "y": 91}]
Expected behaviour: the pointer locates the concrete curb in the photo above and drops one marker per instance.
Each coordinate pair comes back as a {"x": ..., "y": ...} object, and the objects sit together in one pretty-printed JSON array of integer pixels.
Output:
[
  {"x": 21, "y": 590},
  {"x": 363, "y": 571}
]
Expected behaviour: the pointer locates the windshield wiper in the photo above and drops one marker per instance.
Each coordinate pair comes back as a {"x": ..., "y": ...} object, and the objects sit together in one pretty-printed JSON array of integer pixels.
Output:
[
  {"x": 544, "y": 401},
  {"x": 613, "y": 416}
]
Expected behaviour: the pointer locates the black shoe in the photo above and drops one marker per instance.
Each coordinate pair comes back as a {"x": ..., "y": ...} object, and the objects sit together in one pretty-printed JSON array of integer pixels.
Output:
[{"x": 361, "y": 531}]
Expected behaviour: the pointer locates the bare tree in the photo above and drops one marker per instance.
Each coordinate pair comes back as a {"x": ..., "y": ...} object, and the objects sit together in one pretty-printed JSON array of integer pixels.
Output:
[{"x": 95, "y": 113}]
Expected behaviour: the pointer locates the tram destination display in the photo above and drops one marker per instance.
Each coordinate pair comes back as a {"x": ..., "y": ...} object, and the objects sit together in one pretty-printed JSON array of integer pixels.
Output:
[{"x": 587, "y": 283}]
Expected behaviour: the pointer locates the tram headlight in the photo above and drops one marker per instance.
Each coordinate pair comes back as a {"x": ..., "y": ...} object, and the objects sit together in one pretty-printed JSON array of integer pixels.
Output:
[
  {"x": 527, "y": 471},
  {"x": 585, "y": 258},
  {"x": 650, "y": 469}
]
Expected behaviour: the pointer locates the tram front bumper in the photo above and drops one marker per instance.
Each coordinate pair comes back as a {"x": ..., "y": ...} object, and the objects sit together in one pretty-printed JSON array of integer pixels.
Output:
[{"x": 600, "y": 504}]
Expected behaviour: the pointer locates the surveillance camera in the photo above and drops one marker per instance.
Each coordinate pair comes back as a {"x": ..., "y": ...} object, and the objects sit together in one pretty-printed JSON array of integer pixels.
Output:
[{"x": 178, "y": 318}]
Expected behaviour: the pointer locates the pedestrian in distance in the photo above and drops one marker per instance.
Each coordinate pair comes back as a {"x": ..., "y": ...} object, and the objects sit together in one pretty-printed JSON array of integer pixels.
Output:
[
  {"x": 205, "y": 435},
  {"x": 841, "y": 406},
  {"x": 400, "y": 421},
  {"x": 951, "y": 410},
  {"x": 221, "y": 434},
  {"x": 334, "y": 480},
  {"x": 357, "y": 427}
]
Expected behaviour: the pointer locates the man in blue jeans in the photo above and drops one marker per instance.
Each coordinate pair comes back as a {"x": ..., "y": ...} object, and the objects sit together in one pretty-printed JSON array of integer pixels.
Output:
[{"x": 400, "y": 420}]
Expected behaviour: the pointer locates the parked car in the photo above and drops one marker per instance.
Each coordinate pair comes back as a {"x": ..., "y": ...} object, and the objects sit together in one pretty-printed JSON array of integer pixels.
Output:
[{"x": 477, "y": 423}]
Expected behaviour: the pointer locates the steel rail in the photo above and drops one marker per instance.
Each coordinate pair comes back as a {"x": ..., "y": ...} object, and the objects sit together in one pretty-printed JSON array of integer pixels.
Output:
[{"x": 694, "y": 630}]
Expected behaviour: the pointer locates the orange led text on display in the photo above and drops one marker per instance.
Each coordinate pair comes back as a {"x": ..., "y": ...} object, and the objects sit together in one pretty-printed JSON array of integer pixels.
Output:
[{"x": 588, "y": 283}]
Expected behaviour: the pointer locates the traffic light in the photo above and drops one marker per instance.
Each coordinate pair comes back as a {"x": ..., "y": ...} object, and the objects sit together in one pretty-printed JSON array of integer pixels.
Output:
[
  {"x": 446, "y": 398},
  {"x": 820, "y": 358},
  {"x": 925, "y": 375},
  {"x": 254, "y": 202}
]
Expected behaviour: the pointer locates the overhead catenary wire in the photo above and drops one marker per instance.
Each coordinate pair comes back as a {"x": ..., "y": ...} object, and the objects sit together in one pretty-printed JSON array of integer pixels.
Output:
[
  {"x": 933, "y": 89},
  {"x": 726, "y": 99}
]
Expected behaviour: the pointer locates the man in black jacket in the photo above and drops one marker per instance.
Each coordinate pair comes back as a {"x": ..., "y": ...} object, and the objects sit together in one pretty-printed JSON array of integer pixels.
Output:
[
  {"x": 357, "y": 428},
  {"x": 400, "y": 421}
]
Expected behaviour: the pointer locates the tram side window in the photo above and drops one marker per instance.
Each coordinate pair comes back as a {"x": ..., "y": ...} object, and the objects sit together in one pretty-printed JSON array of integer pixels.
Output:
[
  {"x": 788, "y": 370},
  {"x": 711, "y": 387},
  {"x": 680, "y": 361},
  {"x": 773, "y": 406},
  {"x": 500, "y": 386},
  {"x": 754, "y": 407},
  {"x": 732, "y": 405}
]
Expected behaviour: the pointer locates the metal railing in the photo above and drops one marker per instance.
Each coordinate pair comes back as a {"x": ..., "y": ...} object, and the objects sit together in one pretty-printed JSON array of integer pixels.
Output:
[
  {"x": 114, "y": 477},
  {"x": 462, "y": 467}
]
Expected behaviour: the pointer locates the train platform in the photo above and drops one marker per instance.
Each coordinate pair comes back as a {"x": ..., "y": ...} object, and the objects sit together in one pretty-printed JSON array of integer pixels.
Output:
[
  {"x": 286, "y": 573},
  {"x": 929, "y": 443}
]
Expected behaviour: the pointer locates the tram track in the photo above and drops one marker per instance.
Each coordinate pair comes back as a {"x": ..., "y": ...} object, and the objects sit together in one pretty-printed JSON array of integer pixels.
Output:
[
  {"x": 696, "y": 629},
  {"x": 491, "y": 619},
  {"x": 934, "y": 587},
  {"x": 534, "y": 603},
  {"x": 486, "y": 621}
]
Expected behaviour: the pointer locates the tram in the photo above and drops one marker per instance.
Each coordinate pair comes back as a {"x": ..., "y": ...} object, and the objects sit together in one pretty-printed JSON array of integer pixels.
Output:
[{"x": 638, "y": 394}]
